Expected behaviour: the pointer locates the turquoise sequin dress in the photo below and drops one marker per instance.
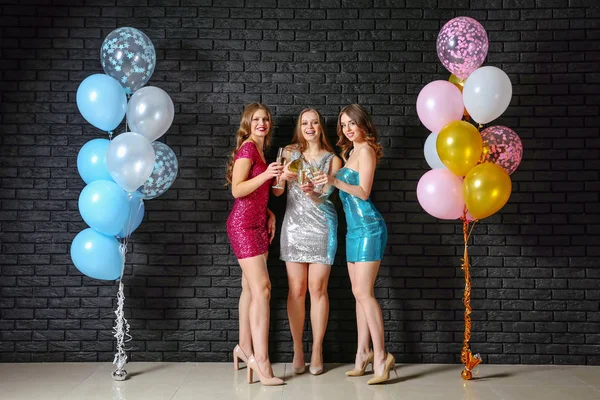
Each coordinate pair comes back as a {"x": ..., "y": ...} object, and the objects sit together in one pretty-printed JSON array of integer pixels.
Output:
[{"x": 367, "y": 233}]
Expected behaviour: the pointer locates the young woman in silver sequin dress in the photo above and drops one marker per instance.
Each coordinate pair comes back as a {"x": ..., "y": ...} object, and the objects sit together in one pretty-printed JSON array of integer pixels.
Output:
[{"x": 308, "y": 236}]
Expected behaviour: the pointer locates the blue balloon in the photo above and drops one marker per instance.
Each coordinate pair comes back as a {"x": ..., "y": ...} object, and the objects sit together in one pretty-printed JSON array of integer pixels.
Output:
[
  {"x": 104, "y": 206},
  {"x": 91, "y": 161},
  {"x": 136, "y": 215},
  {"x": 96, "y": 255},
  {"x": 102, "y": 101}
]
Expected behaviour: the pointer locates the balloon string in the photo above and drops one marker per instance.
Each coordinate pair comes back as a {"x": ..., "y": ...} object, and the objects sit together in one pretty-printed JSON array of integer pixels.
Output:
[
  {"x": 466, "y": 356},
  {"x": 110, "y": 135},
  {"x": 471, "y": 230},
  {"x": 466, "y": 296},
  {"x": 129, "y": 229},
  {"x": 128, "y": 98},
  {"x": 121, "y": 328},
  {"x": 128, "y": 226}
]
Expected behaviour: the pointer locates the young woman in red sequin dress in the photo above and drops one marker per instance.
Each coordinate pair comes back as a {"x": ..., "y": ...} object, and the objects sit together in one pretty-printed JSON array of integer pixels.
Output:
[{"x": 250, "y": 228}]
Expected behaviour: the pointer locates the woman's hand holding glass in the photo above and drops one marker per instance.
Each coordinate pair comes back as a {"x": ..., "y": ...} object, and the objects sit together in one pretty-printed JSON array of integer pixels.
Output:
[
  {"x": 273, "y": 170},
  {"x": 281, "y": 161},
  {"x": 313, "y": 173},
  {"x": 307, "y": 187},
  {"x": 288, "y": 175},
  {"x": 323, "y": 180}
]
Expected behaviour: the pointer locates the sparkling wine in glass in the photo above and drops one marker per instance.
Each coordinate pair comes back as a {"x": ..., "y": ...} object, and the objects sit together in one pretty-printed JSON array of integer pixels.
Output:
[
  {"x": 313, "y": 173},
  {"x": 301, "y": 176},
  {"x": 279, "y": 160}
]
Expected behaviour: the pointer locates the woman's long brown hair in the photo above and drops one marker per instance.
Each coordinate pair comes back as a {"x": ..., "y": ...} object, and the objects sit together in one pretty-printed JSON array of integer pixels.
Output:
[
  {"x": 364, "y": 122},
  {"x": 298, "y": 141},
  {"x": 243, "y": 133}
]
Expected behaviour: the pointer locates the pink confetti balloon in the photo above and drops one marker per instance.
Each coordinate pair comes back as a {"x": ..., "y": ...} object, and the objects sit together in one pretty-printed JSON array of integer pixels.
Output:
[
  {"x": 502, "y": 146},
  {"x": 462, "y": 46}
]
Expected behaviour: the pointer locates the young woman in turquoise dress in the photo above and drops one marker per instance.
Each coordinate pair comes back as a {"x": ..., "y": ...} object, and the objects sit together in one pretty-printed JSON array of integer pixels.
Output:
[{"x": 366, "y": 236}]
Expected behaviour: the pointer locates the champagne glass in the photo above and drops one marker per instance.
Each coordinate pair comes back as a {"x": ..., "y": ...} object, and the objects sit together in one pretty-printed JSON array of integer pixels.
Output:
[
  {"x": 301, "y": 176},
  {"x": 313, "y": 173},
  {"x": 279, "y": 160}
]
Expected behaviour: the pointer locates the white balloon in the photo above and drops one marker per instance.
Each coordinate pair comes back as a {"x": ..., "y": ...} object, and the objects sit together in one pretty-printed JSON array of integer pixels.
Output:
[
  {"x": 486, "y": 94},
  {"x": 431, "y": 155},
  {"x": 150, "y": 112},
  {"x": 130, "y": 160}
]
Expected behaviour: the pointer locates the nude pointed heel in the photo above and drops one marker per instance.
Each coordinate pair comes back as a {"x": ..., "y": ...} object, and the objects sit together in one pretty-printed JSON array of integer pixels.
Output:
[
  {"x": 390, "y": 363},
  {"x": 253, "y": 367},
  {"x": 298, "y": 370},
  {"x": 238, "y": 354},
  {"x": 361, "y": 371},
  {"x": 316, "y": 370}
]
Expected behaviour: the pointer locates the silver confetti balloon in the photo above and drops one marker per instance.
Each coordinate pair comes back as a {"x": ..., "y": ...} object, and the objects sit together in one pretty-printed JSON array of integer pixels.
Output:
[
  {"x": 128, "y": 55},
  {"x": 164, "y": 172}
]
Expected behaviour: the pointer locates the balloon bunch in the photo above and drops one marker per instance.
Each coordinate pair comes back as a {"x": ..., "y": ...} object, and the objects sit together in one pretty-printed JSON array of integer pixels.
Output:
[
  {"x": 469, "y": 167},
  {"x": 122, "y": 172},
  {"x": 470, "y": 172}
]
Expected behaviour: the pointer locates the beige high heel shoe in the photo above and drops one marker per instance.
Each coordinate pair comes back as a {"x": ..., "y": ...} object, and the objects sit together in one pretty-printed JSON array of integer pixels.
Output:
[
  {"x": 298, "y": 370},
  {"x": 238, "y": 354},
  {"x": 361, "y": 371},
  {"x": 253, "y": 366},
  {"x": 316, "y": 370},
  {"x": 390, "y": 363}
]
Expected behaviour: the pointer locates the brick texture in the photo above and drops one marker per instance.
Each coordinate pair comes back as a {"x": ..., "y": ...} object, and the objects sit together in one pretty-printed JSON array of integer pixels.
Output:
[{"x": 536, "y": 279}]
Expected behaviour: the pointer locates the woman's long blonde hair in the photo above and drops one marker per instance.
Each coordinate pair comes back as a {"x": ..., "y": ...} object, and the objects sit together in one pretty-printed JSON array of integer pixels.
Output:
[
  {"x": 363, "y": 120},
  {"x": 243, "y": 133},
  {"x": 298, "y": 141}
]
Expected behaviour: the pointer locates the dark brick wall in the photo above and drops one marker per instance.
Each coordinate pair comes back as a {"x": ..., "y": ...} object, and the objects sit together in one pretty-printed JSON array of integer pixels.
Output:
[{"x": 535, "y": 271}]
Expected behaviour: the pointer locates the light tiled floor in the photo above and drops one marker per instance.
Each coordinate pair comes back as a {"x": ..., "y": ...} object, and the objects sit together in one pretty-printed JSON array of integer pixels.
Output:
[{"x": 198, "y": 381}]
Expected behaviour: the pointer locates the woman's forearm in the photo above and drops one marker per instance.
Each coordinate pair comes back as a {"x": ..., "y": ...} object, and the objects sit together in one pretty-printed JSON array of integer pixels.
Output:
[
  {"x": 246, "y": 187},
  {"x": 354, "y": 190}
]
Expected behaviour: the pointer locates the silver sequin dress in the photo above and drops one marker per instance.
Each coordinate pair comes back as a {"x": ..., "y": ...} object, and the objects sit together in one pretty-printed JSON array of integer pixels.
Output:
[{"x": 309, "y": 231}]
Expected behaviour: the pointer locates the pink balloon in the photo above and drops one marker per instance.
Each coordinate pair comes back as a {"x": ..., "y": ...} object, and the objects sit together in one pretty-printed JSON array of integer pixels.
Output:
[
  {"x": 462, "y": 46},
  {"x": 438, "y": 104},
  {"x": 440, "y": 194},
  {"x": 502, "y": 146}
]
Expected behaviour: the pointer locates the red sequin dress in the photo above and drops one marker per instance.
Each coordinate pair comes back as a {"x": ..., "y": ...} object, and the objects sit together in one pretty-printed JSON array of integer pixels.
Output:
[{"x": 247, "y": 222}]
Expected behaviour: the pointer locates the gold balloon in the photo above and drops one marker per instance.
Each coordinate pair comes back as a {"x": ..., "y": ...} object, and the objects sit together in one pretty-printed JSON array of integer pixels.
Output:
[
  {"x": 459, "y": 146},
  {"x": 460, "y": 84},
  {"x": 486, "y": 189}
]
